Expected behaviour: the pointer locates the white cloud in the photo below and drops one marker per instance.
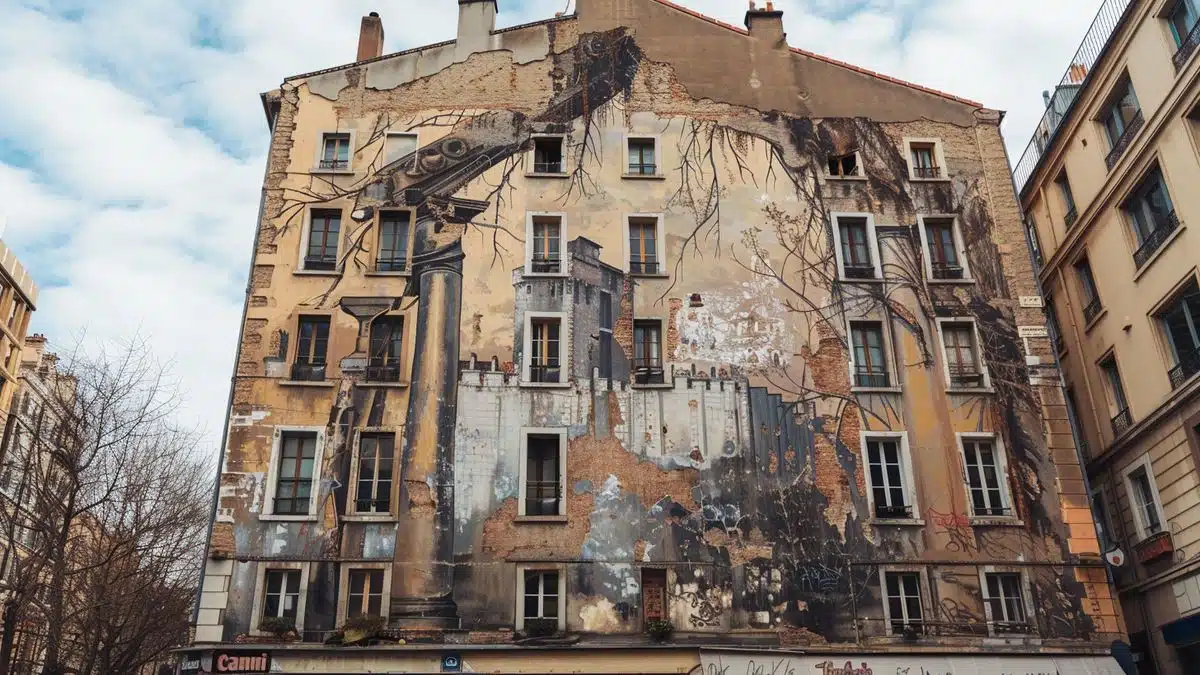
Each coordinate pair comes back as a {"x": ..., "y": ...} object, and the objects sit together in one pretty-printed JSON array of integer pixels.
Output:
[{"x": 132, "y": 139}]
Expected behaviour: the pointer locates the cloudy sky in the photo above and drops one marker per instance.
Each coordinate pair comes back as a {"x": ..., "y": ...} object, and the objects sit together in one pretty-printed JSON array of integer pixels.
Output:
[{"x": 132, "y": 140}]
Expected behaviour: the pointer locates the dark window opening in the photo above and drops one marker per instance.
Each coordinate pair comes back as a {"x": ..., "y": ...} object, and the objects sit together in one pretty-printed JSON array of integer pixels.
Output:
[
  {"x": 543, "y": 496},
  {"x": 654, "y": 594},
  {"x": 374, "y": 489},
  {"x": 885, "y": 471},
  {"x": 281, "y": 597},
  {"x": 1068, "y": 198},
  {"x": 1087, "y": 285},
  {"x": 541, "y": 595},
  {"x": 1180, "y": 322},
  {"x": 386, "y": 358},
  {"x": 323, "y": 231},
  {"x": 548, "y": 155},
  {"x": 1122, "y": 417},
  {"x": 904, "y": 603},
  {"x": 311, "y": 349},
  {"x": 647, "y": 357},
  {"x": 393, "y": 242},
  {"x": 293, "y": 486},
  {"x": 365, "y": 596},
  {"x": 943, "y": 250},
  {"x": 1122, "y": 119},
  {"x": 543, "y": 351},
  {"x": 1007, "y": 602},
  {"x": 924, "y": 161},
  {"x": 842, "y": 166},
  {"x": 985, "y": 479},
  {"x": 336, "y": 152},
  {"x": 1151, "y": 215},
  {"x": 1143, "y": 501},
  {"x": 962, "y": 355}
]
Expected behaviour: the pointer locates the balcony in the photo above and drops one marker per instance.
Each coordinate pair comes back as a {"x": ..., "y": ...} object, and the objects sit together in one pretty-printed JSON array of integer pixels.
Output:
[
  {"x": 325, "y": 263},
  {"x": 367, "y": 505},
  {"x": 545, "y": 373},
  {"x": 648, "y": 371},
  {"x": 965, "y": 377},
  {"x": 1189, "y": 45},
  {"x": 858, "y": 271},
  {"x": 992, "y": 512},
  {"x": 308, "y": 372},
  {"x": 334, "y": 164},
  {"x": 1092, "y": 310},
  {"x": 893, "y": 512},
  {"x": 643, "y": 267},
  {"x": 942, "y": 271},
  {"x": 865, "y": 376},
  {"x": 548, "y": 167},
  {"x": 398, "y": 263},
  {"x": 642, "y": 169},
  {"x": 1071, "y": 216},
  {"x": 1122, "y": 144},
  {"x": 1162, "y": 231},
  {"x": 1122, "y": 422},
  {"x": 1011, "y": 627},
  {"x": 545, "y": 264},
  {"x": 542, "y": 497},
  {"x": 927, "y": 172},
  {"x": 1189, "y": 365},
  {"x": 380, "y": 371}
]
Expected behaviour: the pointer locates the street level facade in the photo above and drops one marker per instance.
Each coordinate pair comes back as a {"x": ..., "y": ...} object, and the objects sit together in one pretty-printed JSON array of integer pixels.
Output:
[
  {"x": 1106, "y": 190},
  {"x": 614, "y": 341}
]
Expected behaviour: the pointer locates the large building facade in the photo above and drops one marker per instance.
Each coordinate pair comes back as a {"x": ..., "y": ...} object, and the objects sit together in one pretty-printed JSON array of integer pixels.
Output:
[
  {"x": 563, "y": 335},
  {"x": 1106, "y": 187}
]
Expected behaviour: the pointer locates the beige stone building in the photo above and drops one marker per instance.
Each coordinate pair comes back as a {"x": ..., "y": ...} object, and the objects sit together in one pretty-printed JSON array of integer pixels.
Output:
[
  {"x": 18, "y": 300},
  {"x": 1107, "y": 186},
  {"x": 563, "y": 337}
]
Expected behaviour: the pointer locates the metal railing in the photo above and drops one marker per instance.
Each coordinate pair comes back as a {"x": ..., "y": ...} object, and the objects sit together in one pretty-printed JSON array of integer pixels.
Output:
[
  {"x": 992, "y": 511},
  {"x": 399, "y": 263},
  {"x": 643, "y": 267},
  {"x": 1122, "y": 422},
  {"x": 1122, "y": 144},
  {"x": 1092, "y": 310},
  {"x": 965, "y": 376},
  {"x": 334, "y": 164},
  {"x": 896, "y": 512},
  {"x": 1188, "y": 47},
  {"x": 1095, "y": 41},
  {"x": 1189, "y": 365},
  {"x": 378, "y": 371},
  {"x": 546, "y": 264},
  {"x": 303, "y": 371},
  {"x": 1162, "y": 231},
  {"x": 544, "y": 372},
  {"x": 367, "y": 505},
  {"x": 320, "y": 262},
  {"x": 541, "y": 497},
  {"x": 927, "y": 172},
  {"x": 648, "y": 371},
  {"x": 858, "y": 271},
  {"x": 548, "y": 167},
  {"x": 865, "y": 376},
  {"x": 942, "y": 271},
  {"x": 642, "y": 169},
  {"x": 1070, "y": 218}
]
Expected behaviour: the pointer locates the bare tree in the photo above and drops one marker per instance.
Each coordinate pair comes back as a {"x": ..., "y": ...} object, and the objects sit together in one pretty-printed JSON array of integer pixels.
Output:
[{"x": 114, "y": 514}]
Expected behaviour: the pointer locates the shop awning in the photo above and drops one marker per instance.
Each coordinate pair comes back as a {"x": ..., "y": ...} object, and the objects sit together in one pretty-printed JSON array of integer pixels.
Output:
[{"x": 1183, "y": 631}]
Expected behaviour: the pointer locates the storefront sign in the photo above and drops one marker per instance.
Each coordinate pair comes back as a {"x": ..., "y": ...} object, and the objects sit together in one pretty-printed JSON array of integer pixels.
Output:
[
  {"x": 1032, "y": 331},
  {"x": 1031, "y": 301},
  {"x": 189, "y": 664},
  {"x": 241, "y": 662},
  {"x": 766, "y": 663}
]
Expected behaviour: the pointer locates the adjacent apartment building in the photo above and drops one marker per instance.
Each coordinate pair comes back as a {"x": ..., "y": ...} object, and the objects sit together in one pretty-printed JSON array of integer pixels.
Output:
[
  {"x": 1107, "y": 188},
  {"x": 634, "y": 341}
]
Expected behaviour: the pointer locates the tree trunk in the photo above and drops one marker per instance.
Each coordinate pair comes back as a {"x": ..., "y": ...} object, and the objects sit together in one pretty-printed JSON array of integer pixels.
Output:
[
  {"x": 6, "y": 641},
  {"x": 57, "y": 581}
]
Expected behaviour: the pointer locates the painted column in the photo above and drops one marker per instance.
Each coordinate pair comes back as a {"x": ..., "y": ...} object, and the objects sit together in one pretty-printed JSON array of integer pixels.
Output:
[{"x": 423, "y": 567}]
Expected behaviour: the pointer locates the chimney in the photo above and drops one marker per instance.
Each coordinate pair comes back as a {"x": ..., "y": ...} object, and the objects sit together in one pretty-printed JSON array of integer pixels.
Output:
[
  {"x": 765, "y": 24},
  {"x": 476, "y": 21},
  {"x": 370, "y": 37}
]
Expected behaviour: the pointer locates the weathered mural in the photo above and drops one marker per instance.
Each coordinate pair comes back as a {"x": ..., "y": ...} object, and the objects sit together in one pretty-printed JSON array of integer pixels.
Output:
[{"x": 732, "y": 481}]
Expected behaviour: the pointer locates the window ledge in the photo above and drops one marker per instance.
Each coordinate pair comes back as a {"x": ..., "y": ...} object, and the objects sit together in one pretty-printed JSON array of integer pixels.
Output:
[
  {"x": 540, "y": 520},
  {"x": 641, "y": 275},
  {"x": 384, "y": 385},
  {"x": 994, "y": 521},
  {"x": 970, "y": 390},
  {"x": 404, "y": 274},
  {"x": 951, "y": 282},
  {"x": 896, "y": 522},
  {"x": 319, "y": 384},
  {"x": 534, "y": 174},
  {"x": 334, "y": 172},
  {"x": 1095, "y": 320},
  {"x": 928, "y": 180},
  {"x": 317, "y": 273},
  {"x": 1161, "y": 248},
  {"x": 368, "y": 518},
  {"x": 310, "y": 518},
  {"x": 643, "y": 176},
  {"x": 844, "y": 280},
  {"x": 876, "y": 390},
  {"x": 664, "y": 385},
  {"x": 849, "y": 178},
  {"x": 546, "y": 385}
]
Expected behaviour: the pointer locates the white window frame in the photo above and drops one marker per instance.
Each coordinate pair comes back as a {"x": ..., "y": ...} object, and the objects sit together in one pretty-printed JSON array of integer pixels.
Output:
[
  {"x": 564, "y": 339},
  {"x": 858, "y": 159},
  {"x": 1001, "y": 455},
  {"x": 658, "y": 158},
  {"x": 888, "y": 349},
  {"x": 320, "y": 152},
  {"x": 907, "y": 475},
  {"x": 523, "y": 472},
  {"x": 352, "y": 512},
  {"x": 983, "y": 366},
  {"x": 343, "y": 605},
  {"x": 922, "y": 588},
  {"x": 938, "y": 156},
  {"x": 1026, "y": 597},
  {"x": 260, "y": 591},
  {"x": 532, "y": 156},
  {"x": 306, "y": 233},
  {"x": 959, "y": 247},
  {"x": 562, "y": 593},
  {"x": 1145, "y": 463},
  {"x": 872, "y": 244},
  {"x": 268, "y": 508},
  {"x": 387, "y": 137},
  {"x": 562, "y": 243},
  {"x": 659, "y": 234}
]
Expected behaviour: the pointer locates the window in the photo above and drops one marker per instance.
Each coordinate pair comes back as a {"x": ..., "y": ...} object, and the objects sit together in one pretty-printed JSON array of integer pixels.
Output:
[
  {"x": 1035, "y": 243},
  {"x": 548, "y": 154},
  {"x": 869, "y": 359},
  {"x": 1122, "y": 119},
  {"x": 1073, "y": 414},
  {"x": 393, "y": 242},
  {"x": 397, "y": 146},
  {"x": 1005, "y": 601},
  {"x": 1056, "y": 334},
  {"x": 654, "y": 593},
  {"x": 1180, "y": 322},
  {"x": 546, "y": 252},
  {"x": 1151, "y": 216},
  {"x": 1182, "y": 20},
  {"x": 545, "y": 350},
  {"x": 335, "y": 152},
  {"x": 1100, "y": 515},
  {"x": 1087, "y": 288},
  {"x": 1122, "y": 418},
  {"x": 856, "y": 241},
  {"x": 643, "y": 245},
  {"x": 373, "y": 488},
  {"x": 641, "y": 157},
  {"x": 1143, "y": 497},
  {"x": 923, "y": 159},
  {"x": 541, "y": 597},
  {"x": 647, "y": 359},
  {"x": 386, "y": 359},
  {"x": 543, "y": 475},
  {"x": 941, "y": 242},
  {"x": 311, "y": 348},
  {"x": 888, "y": 477},
  {"x": 293, "y": 483},
  {"x": 281, "y": 598},
  {"x": 1070, "y": 215},
  {"x": 963, "y": 366},
  {"x": 986, "y": 480},
  {"x": 365, "y": 593},
  {"x": 323, "y": 230},
  {"x": 844, "y": 166},
  {"x": 903, "y": 602}
]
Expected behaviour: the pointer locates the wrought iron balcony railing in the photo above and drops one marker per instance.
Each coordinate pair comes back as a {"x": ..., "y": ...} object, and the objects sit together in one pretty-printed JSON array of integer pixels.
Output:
[
  {"x": 546, "y": 264},
  {"x": 965, "y": 377},
  {"x": 320, "y": 262},
  {"x": 642, "y": 169},
  {"x": 1091, "y": 310},
  {"x": 302, "y": 371},
  {"x": 542, "y": 497},
  {"x": 944, "y": 271},
  {"x": 893, "y": 512},
  {"x": 1189, "y": 365},
  {"x": 858, "y": 271},
  {"x": 865, "y": 376},
  {"x": 545, "y": 372},
  {"x": 648, "y": 371},
  {"x": 643, "y": 267},
  {"x": 1071, "y": 216},
  {"x": 1011, "y": 627},
  {"x": 334, "y": 164},
  {"x": 368, "y": 505},
  {"x": 1187, "y": 47},
  {"x": 397, "y": 263},
  {"x": 380, "y": 371},
  {"x": 1122, "y": 144},
  {"x": 1121, "y": 422},
  {"x": 992, "y": 511},
  {"x": 927, "y": 172},
  {"x": 1163, "y": 227},
  {"x": 548, "y": 167}
]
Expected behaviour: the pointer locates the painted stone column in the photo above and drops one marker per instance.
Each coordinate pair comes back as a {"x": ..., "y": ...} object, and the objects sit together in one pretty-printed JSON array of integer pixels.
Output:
[{"x": 423, "y": 567}]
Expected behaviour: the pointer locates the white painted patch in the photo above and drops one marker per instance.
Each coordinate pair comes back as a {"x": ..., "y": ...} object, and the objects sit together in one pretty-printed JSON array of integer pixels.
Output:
[
  {"x": 1031, "y": 301},
  {"x": 600, "y": 616},
  {"x": 1032, "y": 331}
]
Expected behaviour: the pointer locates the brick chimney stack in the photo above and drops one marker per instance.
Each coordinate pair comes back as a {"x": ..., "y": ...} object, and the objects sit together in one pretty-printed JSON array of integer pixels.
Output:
[
  {"x": 766, "y": 24},
  {"x": 370, "y": 37}
]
